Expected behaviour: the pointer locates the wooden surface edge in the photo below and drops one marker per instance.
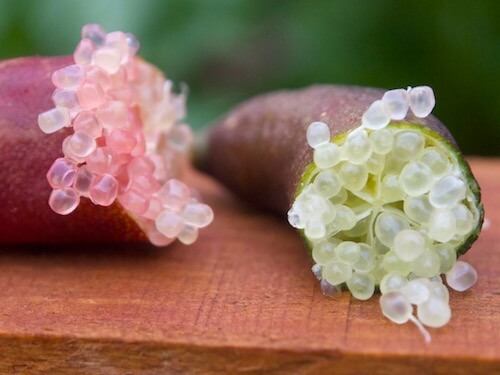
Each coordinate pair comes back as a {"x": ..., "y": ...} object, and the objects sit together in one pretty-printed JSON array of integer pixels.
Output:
[{"x": 71, "y": 355}]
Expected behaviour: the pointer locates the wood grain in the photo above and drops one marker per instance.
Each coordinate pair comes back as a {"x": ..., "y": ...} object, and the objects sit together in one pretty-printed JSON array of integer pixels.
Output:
[{"x": 241, "y": 300}]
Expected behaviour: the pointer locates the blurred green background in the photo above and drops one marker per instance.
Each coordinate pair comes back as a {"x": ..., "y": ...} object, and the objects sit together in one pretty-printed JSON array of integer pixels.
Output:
[{"x": 229, "y": 50}]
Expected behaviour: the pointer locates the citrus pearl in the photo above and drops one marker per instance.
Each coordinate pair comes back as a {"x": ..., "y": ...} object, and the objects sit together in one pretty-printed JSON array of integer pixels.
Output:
[
  {"x": 392, "y": 263},
  {"x": 366, "y": 260},
  {"x": 422, "y": 101},
  {"x": 382, "y": 141},
  {"x": 396, "y": 307},
  {"x": 427, "y": 264},
  {"x": 390, "y": 189},
  {"x": 357, "y": 147},
  {"x": 316, "y": 270},
  {"x": 417, "y": 291},
  {"x": 376, "y": 116},
  {"x": 392, "y": 282},
  {"x": 416, "y": 178},
  {"x": 198, "y": 215},
  {"x": 336, "y": 272},
  {"x": 169, "y": 223},
  {"x": 464, "y": 219},
  {"x": 442, "y": 225},
  {"x": 64, "y": 201},
  {"x": 188, "y": 235},
  {"x": 317, "y": 134},
  {"x": 409, "y": 244},
  {"x": 54, "y": 120},
  {"x": 387, "y": 226},
  {"x": 447, "y": 192},
  {"x": 327, "y": 183},
  {"x": 375, "y": 164},
  {"x": 348, "y": 252},
  {"x": 462, "y": 276},
  {"x": 340, "y": 197},
  {"x": 418, "y": 209},
  {"x": 344, "y": 218},
  {"x": 408, "y": 145},
  {"x": 294, "y": 218},
  {"x": 326, "y": 155},
  {"x": 315, "y": 229},
  {"x": 361, "y": 286},
  {"x": 396, "y": 103},
  {"x": 353, "y": 176},
  {"x": 447, "y": 256},
  {"x": 434, "y": 312},
  {"x": 440, "y": 291},
  {"x": 436, "y": 161},
  {"x": 324, "y": 251},
  {"x": 332, "y": 291}
]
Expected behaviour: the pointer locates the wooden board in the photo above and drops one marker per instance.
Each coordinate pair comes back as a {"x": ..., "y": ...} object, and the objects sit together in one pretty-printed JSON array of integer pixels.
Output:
[{"x": 241, "y": 300}]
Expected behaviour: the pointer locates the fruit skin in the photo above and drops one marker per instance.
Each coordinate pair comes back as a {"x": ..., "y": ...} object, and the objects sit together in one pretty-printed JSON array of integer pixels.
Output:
[
  {"x": 259, "y": 149},
  {"x": 26, "y": 154}
]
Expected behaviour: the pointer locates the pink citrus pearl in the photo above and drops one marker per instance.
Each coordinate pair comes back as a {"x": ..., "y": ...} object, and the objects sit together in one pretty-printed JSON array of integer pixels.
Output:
[
  {"x": 121, "y": 141},
  {"x": 83, "y": 52},
  {"x": 54, "y": 119},
  {"x": 65, "y": 98},
  {"x": 90, "y": 95},
  {"x": 174, "y": 194},
  {"x": 86, "y": 122},
  {"x": 113, "y": 115},
  {"x": 108, "y": 59},
  {"x": 69, "y": 77},
  {"x": 99, "y": 76},
  {"x": 95, "y": 33},
  {"x": 169, "y": 223},
  {"x": 103, "y": 189},
  {"x": 135, "y": 200},
  {"x": 64, "y": 201},
  {"x": 81, "y": 144},
  {"x": 82, "y": 181},
  {"x": 61, "y": 174}
]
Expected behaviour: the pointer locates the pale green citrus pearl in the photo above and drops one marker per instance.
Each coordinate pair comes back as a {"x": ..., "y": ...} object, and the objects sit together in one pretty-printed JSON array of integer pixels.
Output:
[
  {"x": 464, "y": 218},
  {"x": 357, "y": 148},
  {"x": 416, "y": 178},
  {"x": 359, "y": 229},
  {"x": 427, "y": 264},
  {"x": 417, "y": 291},
  {"x": 353, "y": 176},
  {"x": 378, "y": 272},
  {"x": 348, "y": 252},
  {"x": 315, "y": 229},
  {"x": 442, "y": 225},
  {"x": 418, "y": 208},
  {"x": 447, "y": 192},
  {"x": 382, "y": 141},
  {"x": 447, "y": 256},
  {"x": 392, "y": 263},
  {"x": 337, "y": 272},
  {"x": 440, "y": 291},
  {"x": 329, "y": 214},
  {"x": 327, "y": 184},
  {"x": 344, "y": 218},
  {"x": 408, "y": 145},
  {"x": 340, "y": 197},
  {"x": 375, "y": 164},
  {"x": 437, "y": 161},
  {"x": 387, "y": 226},
  {"x": 326, "y": 155},
  {"x": 361, "y": 285},
  {"x": 434, "y": 312},
  {"x": 366, "y": 260},
  {"x": 396, "y": 307},
  {"x": 391, "y": 282},
  {"x": 317, "y": 134},
  {"x": 409, "y": 244},
  {"x": 324, "y": 251},
  {"x": 390, "y": 189}
]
